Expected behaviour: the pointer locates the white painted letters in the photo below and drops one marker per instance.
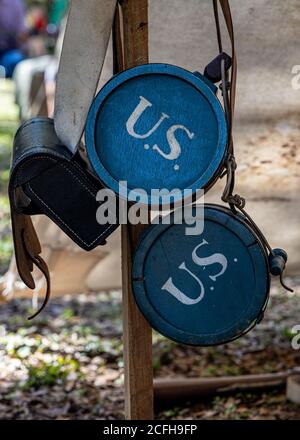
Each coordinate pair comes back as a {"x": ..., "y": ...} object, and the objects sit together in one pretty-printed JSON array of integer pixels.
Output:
[
  {"x": 178, "y": 294},
  {"x": 215, "y": 258},
  {"x": 142, "y": 106},
  {"x": 296, "y": 78},
  {"x": 175, "y": 148},
  {"x": 207, "y": 261}
]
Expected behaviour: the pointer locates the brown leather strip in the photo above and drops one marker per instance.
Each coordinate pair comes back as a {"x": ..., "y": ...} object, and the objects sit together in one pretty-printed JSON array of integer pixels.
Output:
[
  {"x": 27, "y": 253},
  {"x": 42, "y": 266},
  {"x": 228, "y": 20},
  {"x": 33, "y": 249},
  {"x": 20, "y": 224},
  {"x": 118, "y": 50}
]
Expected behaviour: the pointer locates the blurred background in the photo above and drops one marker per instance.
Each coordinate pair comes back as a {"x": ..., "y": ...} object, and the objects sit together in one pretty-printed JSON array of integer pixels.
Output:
[{"x": 67, "y": 363}]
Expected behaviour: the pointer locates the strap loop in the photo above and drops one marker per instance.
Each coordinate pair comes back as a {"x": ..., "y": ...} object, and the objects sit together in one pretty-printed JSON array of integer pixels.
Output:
[{"x": 235, "y": 201}]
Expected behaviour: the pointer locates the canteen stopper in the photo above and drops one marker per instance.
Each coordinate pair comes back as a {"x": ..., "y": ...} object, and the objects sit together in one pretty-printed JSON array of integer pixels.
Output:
[
  {"x": 277, "y": 263},
  {"x": 213, "y": 70}
]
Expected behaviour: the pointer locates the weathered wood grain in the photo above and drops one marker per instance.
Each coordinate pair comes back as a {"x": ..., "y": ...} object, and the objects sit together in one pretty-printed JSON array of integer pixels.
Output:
[
  {"x": 137, "y": 335},
  {"x": 180, "y": 389}
]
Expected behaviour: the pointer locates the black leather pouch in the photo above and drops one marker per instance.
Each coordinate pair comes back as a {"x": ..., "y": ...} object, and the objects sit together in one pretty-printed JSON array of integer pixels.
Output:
[{"x": 47, "y": 179}]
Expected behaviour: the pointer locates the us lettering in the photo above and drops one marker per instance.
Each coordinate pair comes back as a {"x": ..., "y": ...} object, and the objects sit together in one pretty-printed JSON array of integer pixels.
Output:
[
  {"x": 217, "y": 258},
  {"x": 174, "y": 147}
]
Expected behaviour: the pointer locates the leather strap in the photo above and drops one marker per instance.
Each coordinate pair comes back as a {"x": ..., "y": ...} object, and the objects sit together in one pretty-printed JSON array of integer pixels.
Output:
[
  {"x": 47, "y": 179},
  {"x": 27, "y": 252},
  {"x": 228, "y": 20},
  {"x": 229, "y": 107},
  {"x": 33, "y": 249},
  {"x": 23, "y": 229}
]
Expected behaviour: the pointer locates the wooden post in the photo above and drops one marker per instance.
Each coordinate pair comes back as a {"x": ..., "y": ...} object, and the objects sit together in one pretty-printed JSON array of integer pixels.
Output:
[{"x": 137, "y": 334}]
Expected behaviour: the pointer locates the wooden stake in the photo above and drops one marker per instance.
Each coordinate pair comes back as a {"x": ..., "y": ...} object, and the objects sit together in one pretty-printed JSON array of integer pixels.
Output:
[{"x": 137, "y": 334}]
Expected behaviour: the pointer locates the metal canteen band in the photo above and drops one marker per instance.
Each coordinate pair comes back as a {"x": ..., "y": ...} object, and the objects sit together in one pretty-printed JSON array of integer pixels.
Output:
[{"x": 204, "y": 289}]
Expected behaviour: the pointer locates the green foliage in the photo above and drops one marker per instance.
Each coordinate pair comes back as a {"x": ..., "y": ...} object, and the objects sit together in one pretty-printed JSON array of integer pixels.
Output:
[
  {"x": 287, "y": 332},
  {"x": 6, "y": 140},
  {"x": 68, "y": 313},
  {"x": 8, "y": 126},
  {"x": 227, "y": 405},
  {"x": 50, "y": 374},
  {"x": 171, "y": 413},
  {"x": 6, "y": 245}
]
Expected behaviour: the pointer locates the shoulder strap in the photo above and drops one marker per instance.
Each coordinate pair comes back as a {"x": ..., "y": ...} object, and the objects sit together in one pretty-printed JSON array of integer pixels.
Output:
[
  {"x": 27, "y": 251},
  {"x": 228, "y": 20}
]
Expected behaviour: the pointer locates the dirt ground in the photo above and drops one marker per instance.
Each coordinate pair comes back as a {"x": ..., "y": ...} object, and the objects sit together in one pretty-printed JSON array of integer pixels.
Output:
[{"x": 68, "y": 364}]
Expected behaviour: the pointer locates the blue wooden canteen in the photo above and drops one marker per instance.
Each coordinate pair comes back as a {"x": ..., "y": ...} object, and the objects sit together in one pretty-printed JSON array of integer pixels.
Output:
[
  {"x": 204, "y": 289},
  {"x": 157, "y": 126}
]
